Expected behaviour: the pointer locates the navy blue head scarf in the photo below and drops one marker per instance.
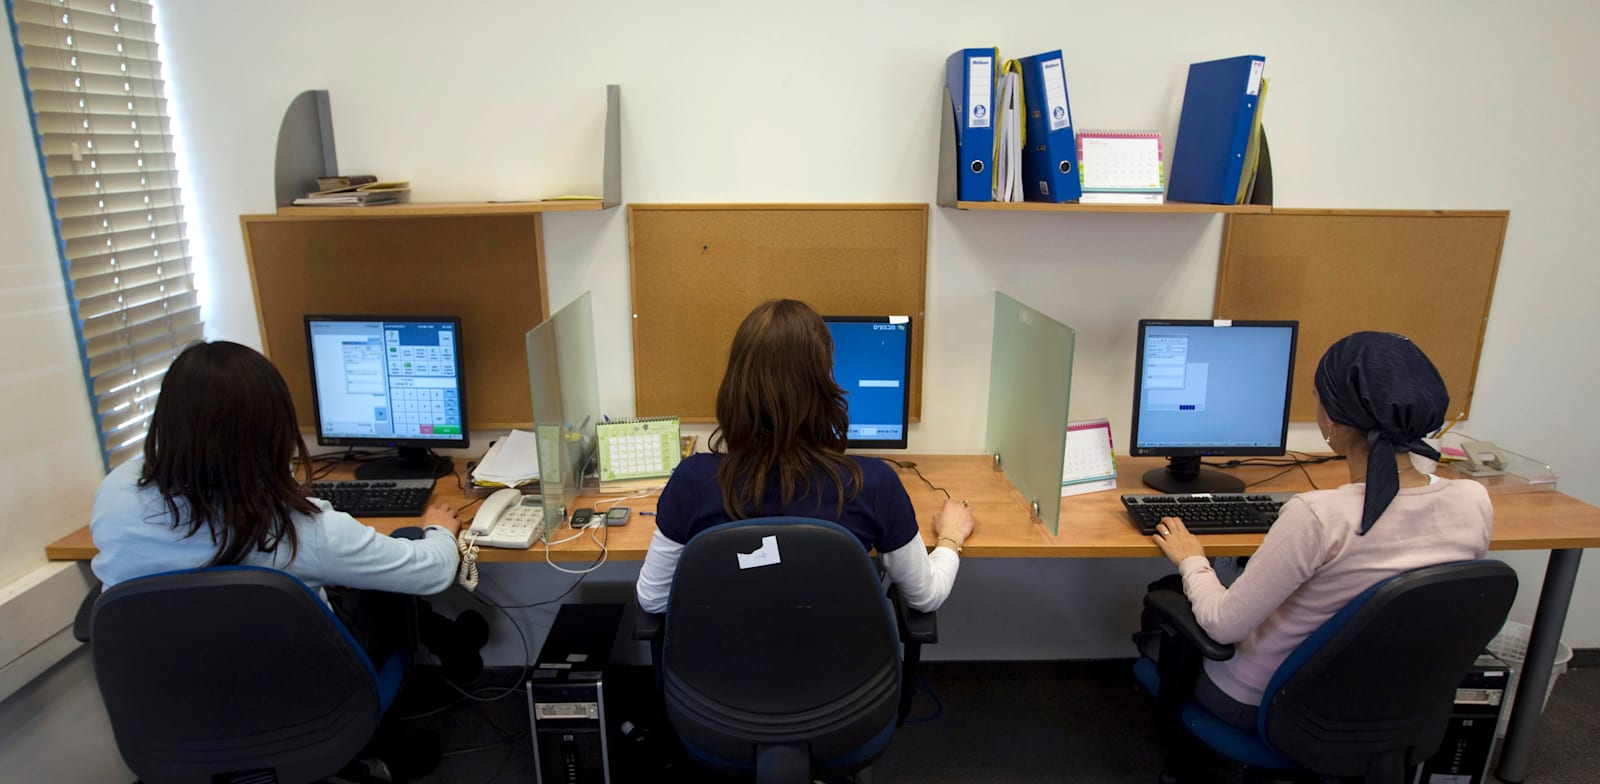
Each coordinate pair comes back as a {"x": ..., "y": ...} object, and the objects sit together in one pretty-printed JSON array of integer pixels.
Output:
[{"x": 1384, "y": 386}]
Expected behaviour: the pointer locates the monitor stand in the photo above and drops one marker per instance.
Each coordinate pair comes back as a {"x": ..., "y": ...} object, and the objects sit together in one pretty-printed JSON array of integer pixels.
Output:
[
  {"x": 410, "y": 462},
  {"x": 1186, "y": 475}
]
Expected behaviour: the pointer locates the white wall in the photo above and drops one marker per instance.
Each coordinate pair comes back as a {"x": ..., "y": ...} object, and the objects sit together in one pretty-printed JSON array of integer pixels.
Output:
[{"x": 1415, "y": 105}]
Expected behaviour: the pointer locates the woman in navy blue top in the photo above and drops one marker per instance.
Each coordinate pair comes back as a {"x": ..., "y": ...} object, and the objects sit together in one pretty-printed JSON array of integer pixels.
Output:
[{"x": 779, "y": 450}]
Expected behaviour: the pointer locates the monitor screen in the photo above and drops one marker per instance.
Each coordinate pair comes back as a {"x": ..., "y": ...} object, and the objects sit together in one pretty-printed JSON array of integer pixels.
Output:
[
  {"x": 1212, "y": 388},
  {"x": 387, "y": 381},
  {"x": 872, "y": 362}
]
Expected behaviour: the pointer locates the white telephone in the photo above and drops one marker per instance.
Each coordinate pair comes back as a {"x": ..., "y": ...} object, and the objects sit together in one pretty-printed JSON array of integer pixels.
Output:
[{"x": 508, "y": 519}]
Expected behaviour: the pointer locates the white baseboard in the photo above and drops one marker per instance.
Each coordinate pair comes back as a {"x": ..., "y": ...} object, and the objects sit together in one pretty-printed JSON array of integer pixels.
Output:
[{"x": 36, "y": 613}]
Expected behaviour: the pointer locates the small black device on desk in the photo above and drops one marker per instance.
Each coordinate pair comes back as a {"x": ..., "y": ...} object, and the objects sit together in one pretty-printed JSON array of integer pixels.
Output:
[
  {"x": 376, "y": 497},
  {"x": 1207, "y": 513},
  {"x": 582, "y": 517}
]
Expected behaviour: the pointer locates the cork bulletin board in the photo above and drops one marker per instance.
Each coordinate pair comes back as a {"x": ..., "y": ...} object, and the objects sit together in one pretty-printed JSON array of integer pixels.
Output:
[
  {"x": 1425, "y": 274},
  {"x": 489, "y": 270},
  {"x": 698, "y": 270}
]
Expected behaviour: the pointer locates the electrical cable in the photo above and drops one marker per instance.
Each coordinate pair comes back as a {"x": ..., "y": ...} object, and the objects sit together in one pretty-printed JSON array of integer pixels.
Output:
[
  {"x": 917, "y": 471},
  {"x": 938, "y": 704}
]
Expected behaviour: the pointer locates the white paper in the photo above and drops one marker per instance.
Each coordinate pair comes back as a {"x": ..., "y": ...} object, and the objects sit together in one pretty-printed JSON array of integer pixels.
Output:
[
  {"x": 1253, "y": 87},
  {"x": 765, "y": 555},
  {"x": 899, "y": 319},
  {"x": 1055, "y": 94},
  {"x": 1008, "y": 144},
  {"x": 512, "y": 460},
  {"x": 980, "y": 83}
]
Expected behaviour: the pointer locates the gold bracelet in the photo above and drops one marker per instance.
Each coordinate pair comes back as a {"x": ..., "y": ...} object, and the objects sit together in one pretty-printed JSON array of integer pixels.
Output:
[{"x": 953, "y": 543}]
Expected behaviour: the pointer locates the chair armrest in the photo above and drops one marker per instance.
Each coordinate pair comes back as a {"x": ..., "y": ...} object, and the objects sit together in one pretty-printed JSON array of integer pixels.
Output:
[
  {"x": 647, "y": 626},
  {"x": 915, "y": 625},
  {"x": 80, "y": 622},
  {"x": 1177, "y": 618}
]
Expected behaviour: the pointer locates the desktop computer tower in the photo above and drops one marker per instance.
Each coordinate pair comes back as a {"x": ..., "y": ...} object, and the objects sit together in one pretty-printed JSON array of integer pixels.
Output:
[
  {"x": 566, "y": 696},
  {"x": 1463, "y": 755}
]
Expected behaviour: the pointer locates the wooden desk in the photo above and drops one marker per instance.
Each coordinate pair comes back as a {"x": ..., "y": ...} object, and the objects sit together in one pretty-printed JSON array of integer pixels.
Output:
[
  {"x": 1092, "y": 526},
  {"x": 1095, "y": 526}
]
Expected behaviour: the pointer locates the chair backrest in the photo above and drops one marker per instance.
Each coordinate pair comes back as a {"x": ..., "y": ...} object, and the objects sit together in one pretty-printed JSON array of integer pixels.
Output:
[
  {"x": 1407, "y": 642},
  {"x": 223, "y": 671},
  {"x": 800, "y": 650}
]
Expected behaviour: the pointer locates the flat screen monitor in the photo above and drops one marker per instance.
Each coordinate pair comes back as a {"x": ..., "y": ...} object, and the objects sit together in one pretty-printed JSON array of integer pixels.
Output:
[
  {"x": 1210, "y": 388},
  {"x": 384, "y": 381},
  {"x": 872, "y": 362}
]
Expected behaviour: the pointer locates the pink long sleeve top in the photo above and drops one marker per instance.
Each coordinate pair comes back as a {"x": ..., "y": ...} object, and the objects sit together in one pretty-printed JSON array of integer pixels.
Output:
[{"x": 1314, "y": 561}]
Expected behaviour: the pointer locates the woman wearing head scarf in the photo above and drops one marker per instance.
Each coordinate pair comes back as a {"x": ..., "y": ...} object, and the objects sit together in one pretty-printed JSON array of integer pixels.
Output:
[{"x": 1377, "y": 395}]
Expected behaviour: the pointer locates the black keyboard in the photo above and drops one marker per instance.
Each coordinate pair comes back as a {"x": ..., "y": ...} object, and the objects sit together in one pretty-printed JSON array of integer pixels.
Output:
[
  {"x": 1207, "y": 513},
  {"x": 376, "y": 497}
]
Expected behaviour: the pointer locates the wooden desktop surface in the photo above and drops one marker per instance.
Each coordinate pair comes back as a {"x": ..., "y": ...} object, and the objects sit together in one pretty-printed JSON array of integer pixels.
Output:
[{"x": 1092, "y": 525}]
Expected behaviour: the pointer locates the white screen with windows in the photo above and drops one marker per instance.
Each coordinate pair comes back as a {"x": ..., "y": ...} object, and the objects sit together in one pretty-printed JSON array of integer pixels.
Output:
[
  {"x": 1213, "y": 387},
  {"x": 386, "y": 379}
]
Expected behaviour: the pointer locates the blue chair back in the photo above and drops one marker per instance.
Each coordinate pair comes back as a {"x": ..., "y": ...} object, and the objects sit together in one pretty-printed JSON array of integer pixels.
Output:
[
  {"x": 798, "y": 654},
  {"x": 223, "y": 673},
  {"x": 1370, "y": 692}
]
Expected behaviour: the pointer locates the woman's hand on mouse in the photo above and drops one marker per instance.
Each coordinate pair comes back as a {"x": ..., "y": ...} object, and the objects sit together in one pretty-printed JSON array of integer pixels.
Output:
[{"x": 954, "y": 522}]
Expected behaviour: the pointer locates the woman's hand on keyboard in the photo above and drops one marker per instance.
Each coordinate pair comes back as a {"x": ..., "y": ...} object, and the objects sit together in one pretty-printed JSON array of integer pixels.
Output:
[
  {"x": 1176, "y": 542},
  {"x": 442, "y": 516}
]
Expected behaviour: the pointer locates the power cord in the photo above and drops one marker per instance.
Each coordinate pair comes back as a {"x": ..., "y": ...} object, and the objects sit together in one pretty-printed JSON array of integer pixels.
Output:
[{"x": 915, "y": 470}]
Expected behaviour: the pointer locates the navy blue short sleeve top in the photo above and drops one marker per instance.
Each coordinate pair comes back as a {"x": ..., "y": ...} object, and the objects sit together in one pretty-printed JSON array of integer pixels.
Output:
[{"x": 880, "y": 515}]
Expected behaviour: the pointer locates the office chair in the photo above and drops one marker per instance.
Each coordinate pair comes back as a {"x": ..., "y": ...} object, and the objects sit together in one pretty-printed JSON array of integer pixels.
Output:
[
  {"x": 1367, "y": 695},
  {"x": 788, "y": 669},
  {"x": 232, "y": 674}
]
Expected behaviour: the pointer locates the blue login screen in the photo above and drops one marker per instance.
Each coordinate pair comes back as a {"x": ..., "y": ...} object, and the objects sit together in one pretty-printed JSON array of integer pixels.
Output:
[{"x": 869, "y": 362}]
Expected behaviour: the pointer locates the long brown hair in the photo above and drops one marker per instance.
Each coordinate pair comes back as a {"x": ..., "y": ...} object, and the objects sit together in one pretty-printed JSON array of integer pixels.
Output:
[
  {"x": 779, "y": 412},
  {"x": 221, "y": 441}
]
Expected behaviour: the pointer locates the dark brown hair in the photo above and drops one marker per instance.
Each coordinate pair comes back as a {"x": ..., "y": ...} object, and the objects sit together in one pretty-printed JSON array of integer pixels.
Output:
[
  {"x": 779, "y": 413},
  {"x": 221, "y": 441}
]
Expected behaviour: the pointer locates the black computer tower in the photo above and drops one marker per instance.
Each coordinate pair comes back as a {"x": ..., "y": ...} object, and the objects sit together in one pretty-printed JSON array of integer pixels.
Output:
[
  {"x": 1463, "y": 755},
  {"x": 566, "y": 696}
]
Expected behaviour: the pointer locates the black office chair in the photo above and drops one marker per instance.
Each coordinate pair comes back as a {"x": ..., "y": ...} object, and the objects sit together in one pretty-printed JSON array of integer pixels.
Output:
[
  {"x": 785, "y": 670},
  {"x": 1367, "y": 695},
  {"x": 233, "y": 674}
]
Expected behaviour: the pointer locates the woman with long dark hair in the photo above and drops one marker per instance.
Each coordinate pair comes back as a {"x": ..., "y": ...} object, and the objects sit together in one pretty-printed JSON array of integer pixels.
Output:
[
  {"x": 779, "y": 450},
  {"x": 217, "y": 486}
]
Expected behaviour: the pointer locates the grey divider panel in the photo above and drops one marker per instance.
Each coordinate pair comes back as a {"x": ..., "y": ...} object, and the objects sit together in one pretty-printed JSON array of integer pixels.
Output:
[
  {"x": 305, "y": 146},
  {"x": 1030, "y": 378},
  {"x": 611, "y": 184}
]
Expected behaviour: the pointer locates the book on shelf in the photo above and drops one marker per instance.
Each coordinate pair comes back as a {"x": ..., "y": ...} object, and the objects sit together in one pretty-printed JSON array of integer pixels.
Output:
[
  {"x": 368, "y": 194},
  {"x": 342, "y": 182}
]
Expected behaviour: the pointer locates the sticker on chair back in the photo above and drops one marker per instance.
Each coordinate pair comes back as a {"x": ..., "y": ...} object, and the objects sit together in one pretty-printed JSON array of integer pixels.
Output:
[{"x": 765, "y": 555}]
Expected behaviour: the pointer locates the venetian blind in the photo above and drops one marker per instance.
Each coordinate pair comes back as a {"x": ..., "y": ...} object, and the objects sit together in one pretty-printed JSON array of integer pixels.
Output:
[{"x": 93, "y": 78}]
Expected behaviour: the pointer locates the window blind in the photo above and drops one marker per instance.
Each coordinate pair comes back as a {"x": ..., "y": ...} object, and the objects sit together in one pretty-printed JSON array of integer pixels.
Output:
[{"x": 92, "y": 73}]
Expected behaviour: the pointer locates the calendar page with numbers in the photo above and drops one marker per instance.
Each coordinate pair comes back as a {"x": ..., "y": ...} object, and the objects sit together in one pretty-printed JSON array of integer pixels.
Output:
[
  {"x": 1120, "y": 161},
  {"x": 638, "y": 448}
]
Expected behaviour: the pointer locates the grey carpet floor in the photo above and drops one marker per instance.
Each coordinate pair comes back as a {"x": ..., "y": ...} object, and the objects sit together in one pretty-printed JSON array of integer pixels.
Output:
[{"x": 1021, "y": 722}]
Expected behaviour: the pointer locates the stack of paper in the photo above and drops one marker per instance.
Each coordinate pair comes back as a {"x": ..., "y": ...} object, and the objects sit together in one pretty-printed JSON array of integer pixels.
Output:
[
  {"x": 363, "y": 195},
  {"x": 1009, "y": 135},
  {"x": 512, "y": 461}
]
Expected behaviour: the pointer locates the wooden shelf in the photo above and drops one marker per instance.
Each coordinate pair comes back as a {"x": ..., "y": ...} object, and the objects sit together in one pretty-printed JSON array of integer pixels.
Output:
[
  {"x": 444, "y": 209},
  {"x": 1169, "y": 207}
]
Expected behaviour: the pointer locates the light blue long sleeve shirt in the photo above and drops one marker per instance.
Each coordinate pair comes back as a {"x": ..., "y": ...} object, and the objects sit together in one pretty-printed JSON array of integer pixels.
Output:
[{"x": 133, "y": 531}]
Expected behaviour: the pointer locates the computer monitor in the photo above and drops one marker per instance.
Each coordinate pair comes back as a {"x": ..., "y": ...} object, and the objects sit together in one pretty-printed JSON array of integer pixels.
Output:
[
  {"x": 872, "y": 362},
  {"x": 389, "y": 382},
  {"x": 1210, "y": 388}
]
